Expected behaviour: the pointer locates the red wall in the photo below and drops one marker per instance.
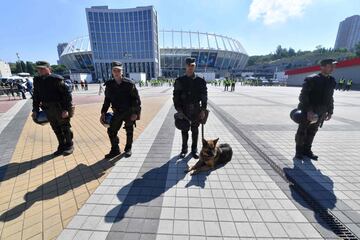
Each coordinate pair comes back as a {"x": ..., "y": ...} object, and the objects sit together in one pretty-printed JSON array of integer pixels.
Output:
[{"x": 342, "y": 64}]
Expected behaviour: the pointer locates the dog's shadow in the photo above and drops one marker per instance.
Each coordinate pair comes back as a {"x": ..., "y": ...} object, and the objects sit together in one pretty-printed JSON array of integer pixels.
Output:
[{"x": 199, "y": 179}]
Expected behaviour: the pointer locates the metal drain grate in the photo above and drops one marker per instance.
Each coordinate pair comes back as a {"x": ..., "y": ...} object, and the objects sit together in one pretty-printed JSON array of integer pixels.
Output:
[{"x": 332, "y": 221}]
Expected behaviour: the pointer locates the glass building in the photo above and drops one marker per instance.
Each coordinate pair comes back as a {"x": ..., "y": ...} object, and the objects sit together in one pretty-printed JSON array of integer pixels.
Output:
[
  {"x": 126, "y": 35},
  {"x": 349, "y": 33}
]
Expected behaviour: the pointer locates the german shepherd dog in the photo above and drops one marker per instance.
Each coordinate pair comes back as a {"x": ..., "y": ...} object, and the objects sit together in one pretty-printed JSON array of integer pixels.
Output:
[{"x": 211, "y": 156}]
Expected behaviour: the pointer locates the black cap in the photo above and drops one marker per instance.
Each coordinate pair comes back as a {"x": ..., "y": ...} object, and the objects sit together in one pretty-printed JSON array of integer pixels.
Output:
[
  {"x": 325, "y": 62},
  {"x": 42, "y": 64},
  {"x": 190, "y": 60},
  {"x": 116, "y": 64}
]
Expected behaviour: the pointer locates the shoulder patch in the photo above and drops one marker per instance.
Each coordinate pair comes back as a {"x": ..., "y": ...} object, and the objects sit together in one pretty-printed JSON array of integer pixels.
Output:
[
  {"x": 201, "y": 78},
  {"x": 312, "y": 75},
  {"x": 128, "y": 80},
  {"x": 108, "y": 82},
  {"x": 53, "y": 75}
]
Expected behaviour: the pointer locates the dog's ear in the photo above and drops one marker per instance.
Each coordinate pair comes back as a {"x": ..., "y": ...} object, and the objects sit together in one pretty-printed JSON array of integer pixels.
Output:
[
  {"x": 204, "y": 142},
  {"x": 215, "y": 141}
]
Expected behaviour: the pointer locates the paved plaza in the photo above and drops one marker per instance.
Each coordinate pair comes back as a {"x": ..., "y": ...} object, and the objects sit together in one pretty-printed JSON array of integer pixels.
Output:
[{"x": 261, "y": 194}]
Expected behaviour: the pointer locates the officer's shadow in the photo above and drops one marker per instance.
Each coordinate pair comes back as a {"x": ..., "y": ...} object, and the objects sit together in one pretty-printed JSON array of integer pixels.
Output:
[
  {"x": 72, "y": 179},
  {"x": 305, "y": 174},
  {"x": 12, "y": 170},
  {"x": 147, "y": 189}
]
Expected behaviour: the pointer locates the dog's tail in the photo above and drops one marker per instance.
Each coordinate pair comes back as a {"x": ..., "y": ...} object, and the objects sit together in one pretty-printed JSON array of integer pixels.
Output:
[{"x": 226, "y": 153}]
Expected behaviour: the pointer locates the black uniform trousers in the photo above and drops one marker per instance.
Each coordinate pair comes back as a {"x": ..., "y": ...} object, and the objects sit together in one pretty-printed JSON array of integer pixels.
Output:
[
  {"x": 115, "y": 125},
  {"x": 194, "y": 126},
  {"x": 305, "y": 136},
  {"x": 61, "y": 126},
  {"x": 192, "y": 112}
]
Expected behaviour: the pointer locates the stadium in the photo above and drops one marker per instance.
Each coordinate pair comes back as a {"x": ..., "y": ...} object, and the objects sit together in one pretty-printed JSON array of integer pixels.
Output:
[
  {"x": 214, "y": 53},
  {"x": 77, "y": 56},
  {"x": 219, "y": 54}
]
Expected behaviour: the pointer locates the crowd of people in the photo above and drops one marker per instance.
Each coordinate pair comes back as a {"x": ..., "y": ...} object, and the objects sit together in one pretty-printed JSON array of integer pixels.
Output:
[
  {"x": 344, "y": 84},
  {"x": 16, "y": 89},
  {"x": 75, "y": 85}
]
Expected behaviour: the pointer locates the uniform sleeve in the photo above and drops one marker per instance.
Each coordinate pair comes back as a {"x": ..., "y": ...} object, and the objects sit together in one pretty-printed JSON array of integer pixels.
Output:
[
  {"x": 135, "y": 101},
  {"x": 204, "y": 95},
  {"x": 177, "y": 95},
  {"x": 36, "y": 97},
  {"x": 304, "y": 99},
  {"x": 66, "y": 99},
  {"x": 106, "y": 104},
  {"x": 331, "y": 100}
]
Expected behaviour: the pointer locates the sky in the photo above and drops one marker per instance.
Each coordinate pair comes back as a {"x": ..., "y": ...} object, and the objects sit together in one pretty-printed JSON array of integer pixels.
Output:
[{"x": 33, "y": 28}]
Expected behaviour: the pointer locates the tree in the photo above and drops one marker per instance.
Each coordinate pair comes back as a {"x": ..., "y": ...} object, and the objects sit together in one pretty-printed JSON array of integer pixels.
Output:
[
  {"x": 13, "y": 67},
  {"x": 30, "y": 68},
  {"x": 59, "y": 69},
  {"x": 18, "y": 67},
  {"x": 278, "y": 51},
  {"x": 357, "y": 49},
  {"x": 291, "y": 52},
  {"x": 23, "y": 66}
]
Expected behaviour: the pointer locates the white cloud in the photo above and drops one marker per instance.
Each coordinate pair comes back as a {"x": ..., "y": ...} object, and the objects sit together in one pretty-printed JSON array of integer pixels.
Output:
[{"x": 276, "y": 11}]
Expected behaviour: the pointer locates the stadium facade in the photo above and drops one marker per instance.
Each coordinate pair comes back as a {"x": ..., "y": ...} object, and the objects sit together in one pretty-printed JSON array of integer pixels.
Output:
[{"x": 213, "y": 53}]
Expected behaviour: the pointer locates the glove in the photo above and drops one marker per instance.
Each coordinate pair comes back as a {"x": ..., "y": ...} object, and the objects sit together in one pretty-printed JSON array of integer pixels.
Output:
[{"x": 179, "y": 115}]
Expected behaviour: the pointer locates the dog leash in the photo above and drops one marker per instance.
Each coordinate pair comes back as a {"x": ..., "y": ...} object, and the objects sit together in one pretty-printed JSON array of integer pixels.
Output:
[{"x": 202, "y": 131}]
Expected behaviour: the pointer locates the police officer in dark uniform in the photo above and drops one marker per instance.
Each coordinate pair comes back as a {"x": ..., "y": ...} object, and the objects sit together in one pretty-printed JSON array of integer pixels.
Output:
[
  {"x": 190, "y": 101},
  {"x": 53, "y": 96},
  {"x": 316, "y": 100},
  {"x": 122, "y": 95}
]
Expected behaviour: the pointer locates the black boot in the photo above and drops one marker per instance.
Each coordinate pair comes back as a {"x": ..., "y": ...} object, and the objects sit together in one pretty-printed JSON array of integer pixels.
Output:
[
  {"x": 308, "y": 144},
  {"x": 69, "y": 145},
  {"x": 129, "y": 140},
  {"x": 184, "y": 148},
  {"x": 127, "y": 150},
  {"x": 61, "y": 139},
  {"x": 194, "y": 150},
  {"x": 308, "y": 153},
  {"x": 114, "y": 140},
  {"x": 299, "y": 153},
  {"x": 115, "y": 151}
]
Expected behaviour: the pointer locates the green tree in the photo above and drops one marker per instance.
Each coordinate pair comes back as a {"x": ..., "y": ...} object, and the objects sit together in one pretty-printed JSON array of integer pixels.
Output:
[
  {"x": 357, "y": 49},
  {"x": 278, "y": 51},
  {"x": 13, "y": 68},
  {"x": 23, "y": 66},
  {"x": 18, "y": 67},
  {"x": 59, "y": 69},
  {"x": 291, "y": 52},
  {"x": 30, "y": 68}
]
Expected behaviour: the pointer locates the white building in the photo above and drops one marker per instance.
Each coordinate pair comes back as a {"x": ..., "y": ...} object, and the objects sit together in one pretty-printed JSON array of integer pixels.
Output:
[
  {"x": 349, "y": 33},
  {"x": 5, "y": 70}
]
